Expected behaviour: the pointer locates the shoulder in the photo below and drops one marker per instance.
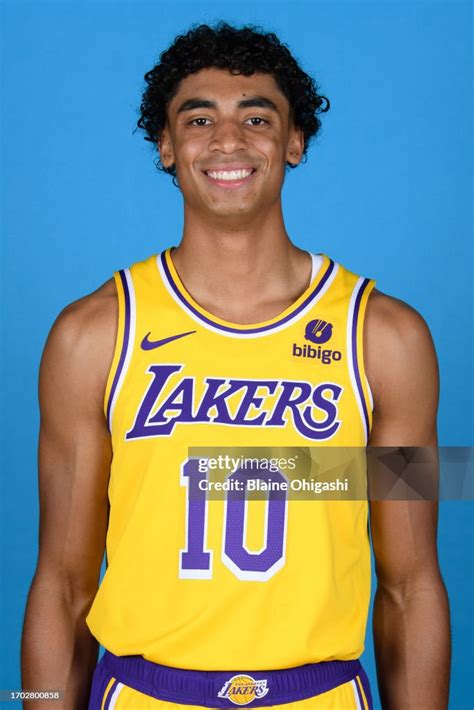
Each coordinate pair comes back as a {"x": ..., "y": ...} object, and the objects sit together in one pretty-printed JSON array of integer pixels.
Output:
[
  {"x": 82, "y": 339},
  {"x": 391, "y": 317},
  {"x": 397, "y": 341},
  {"x": 392, "y": 322},
  {"x": 88, "y": 318}
]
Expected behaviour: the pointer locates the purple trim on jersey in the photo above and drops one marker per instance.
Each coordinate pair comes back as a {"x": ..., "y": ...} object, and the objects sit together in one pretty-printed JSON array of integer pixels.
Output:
[
  {"x": 259, "y": 329},
  {"x": 211, "y": 688},
  {"x": 126, "y": 337},
  {"x": 355, "y": 359}
]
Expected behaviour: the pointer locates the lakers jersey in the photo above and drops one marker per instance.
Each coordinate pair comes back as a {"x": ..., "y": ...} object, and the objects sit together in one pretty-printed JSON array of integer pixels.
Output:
[{"x": 216, "y": 584}]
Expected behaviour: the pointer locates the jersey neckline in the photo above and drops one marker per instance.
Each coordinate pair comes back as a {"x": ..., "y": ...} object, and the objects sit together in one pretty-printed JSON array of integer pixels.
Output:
[{"x": 180, "y": 294}]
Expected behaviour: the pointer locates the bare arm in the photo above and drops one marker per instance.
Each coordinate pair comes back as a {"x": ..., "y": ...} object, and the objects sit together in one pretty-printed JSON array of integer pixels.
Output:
[
  {"x": 411, "y": 612},
  {"x": 58, "y": 651}
]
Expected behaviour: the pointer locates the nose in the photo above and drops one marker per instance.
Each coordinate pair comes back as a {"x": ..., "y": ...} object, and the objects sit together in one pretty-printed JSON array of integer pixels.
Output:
[{"x": 228, "y": 136}]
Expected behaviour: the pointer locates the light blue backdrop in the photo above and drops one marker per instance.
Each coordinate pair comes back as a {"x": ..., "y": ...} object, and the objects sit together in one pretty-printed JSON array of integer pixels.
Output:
[{"x": 386, "y": 191}]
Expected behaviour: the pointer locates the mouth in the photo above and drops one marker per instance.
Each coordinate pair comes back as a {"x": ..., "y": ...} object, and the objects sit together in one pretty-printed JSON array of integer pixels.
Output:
[{"x": 230, "y": 178}]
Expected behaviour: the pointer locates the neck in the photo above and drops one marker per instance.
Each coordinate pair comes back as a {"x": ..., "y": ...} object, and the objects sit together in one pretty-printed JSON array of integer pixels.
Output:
[{"x": 241, "y": 269}]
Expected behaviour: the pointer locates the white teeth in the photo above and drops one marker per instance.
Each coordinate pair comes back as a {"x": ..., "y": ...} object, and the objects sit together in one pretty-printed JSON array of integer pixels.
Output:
[{"x": 229, "y": 174}]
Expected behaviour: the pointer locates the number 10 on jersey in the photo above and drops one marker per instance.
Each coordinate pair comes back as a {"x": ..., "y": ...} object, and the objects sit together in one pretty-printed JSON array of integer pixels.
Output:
[{"x": 196, "y": 561}]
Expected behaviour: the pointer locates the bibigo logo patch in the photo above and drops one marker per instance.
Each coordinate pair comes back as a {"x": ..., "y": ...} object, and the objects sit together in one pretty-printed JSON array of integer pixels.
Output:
[{"x": 242, "y": 689}]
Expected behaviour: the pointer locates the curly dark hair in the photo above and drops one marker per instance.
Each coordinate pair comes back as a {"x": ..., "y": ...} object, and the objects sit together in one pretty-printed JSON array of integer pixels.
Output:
[{"x": 242, "y": 50}]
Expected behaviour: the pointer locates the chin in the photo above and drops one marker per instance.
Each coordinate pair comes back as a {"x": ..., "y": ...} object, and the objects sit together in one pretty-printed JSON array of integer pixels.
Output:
[
  {"x": 231, "y": 207},
  {"x": 232, "y": 211}
]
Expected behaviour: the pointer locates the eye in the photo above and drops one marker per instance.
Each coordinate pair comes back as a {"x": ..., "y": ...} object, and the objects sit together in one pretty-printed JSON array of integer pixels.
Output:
[
  {"x": 200, "y": 121},
  {"x": 256, "y": 120}
]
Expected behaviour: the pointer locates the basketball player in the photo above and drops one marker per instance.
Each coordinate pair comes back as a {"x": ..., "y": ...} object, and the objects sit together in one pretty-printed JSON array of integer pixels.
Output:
[{"x": 219, "y": 342}]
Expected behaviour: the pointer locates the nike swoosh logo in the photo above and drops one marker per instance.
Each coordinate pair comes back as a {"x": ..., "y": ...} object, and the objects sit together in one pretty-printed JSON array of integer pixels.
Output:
[{"x": 152, "y": 344}]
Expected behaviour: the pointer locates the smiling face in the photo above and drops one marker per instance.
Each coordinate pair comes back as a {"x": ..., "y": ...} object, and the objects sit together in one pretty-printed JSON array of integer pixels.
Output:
[{"x": 230, "y": 137}]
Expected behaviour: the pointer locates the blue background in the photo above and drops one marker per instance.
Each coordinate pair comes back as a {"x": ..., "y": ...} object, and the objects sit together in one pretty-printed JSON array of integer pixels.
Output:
[{"x": 386, "y": 191}]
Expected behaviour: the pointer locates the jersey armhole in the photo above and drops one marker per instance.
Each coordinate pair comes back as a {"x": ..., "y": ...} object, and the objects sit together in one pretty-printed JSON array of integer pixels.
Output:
[
  {"x": 359, "y": 378},
  {"x": 123, "y": 342},
  {"x": 367, "y": 392}
]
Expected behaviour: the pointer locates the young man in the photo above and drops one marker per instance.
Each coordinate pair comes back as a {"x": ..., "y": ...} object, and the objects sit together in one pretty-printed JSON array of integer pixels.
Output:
[{"x": 203, "y": 603}]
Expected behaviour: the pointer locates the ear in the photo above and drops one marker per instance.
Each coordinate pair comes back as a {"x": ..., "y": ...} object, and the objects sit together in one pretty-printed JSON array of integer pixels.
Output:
[
  {"x": 165, "y": 147},
  {"x": 295, "y": 147}
]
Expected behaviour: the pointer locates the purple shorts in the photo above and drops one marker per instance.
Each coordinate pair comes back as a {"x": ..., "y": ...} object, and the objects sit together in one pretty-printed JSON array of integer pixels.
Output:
[{"x": 131, "y": 682}]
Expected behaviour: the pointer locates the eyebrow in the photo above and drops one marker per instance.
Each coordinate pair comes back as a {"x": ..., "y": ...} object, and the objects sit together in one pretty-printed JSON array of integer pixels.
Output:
[{"x": 252, "y": 102}]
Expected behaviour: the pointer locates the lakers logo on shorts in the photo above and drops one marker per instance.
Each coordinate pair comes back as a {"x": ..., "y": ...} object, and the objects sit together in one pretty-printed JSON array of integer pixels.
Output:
[{"x": 242, "y": 689}]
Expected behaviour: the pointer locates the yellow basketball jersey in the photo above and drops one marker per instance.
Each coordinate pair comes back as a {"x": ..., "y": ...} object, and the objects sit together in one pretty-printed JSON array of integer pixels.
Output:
[{"x": 211, "y": 584}]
